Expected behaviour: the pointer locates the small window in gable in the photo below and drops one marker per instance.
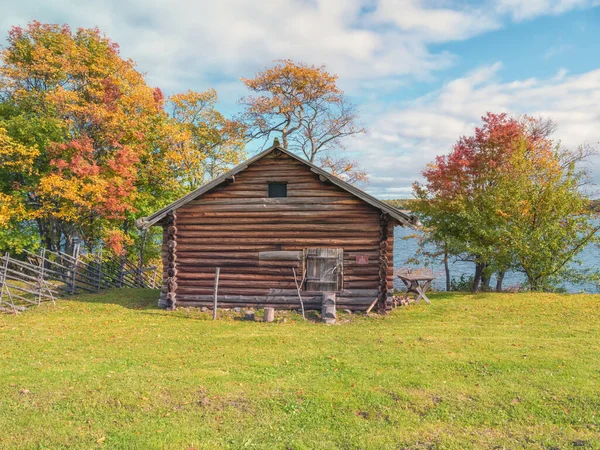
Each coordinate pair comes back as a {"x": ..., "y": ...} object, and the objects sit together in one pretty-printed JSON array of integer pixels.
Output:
[{"x": 277, "y": 189}]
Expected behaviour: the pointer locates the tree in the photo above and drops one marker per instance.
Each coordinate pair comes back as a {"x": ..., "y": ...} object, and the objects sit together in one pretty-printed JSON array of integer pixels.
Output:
[
  {"x": 303, "y": 105},
  {"x": 86, "y": 119},
  {"x": 208, "y": 142},
  {"x": 548, "y": 217},
  {"x": 508, "y": 197},
  {"x": 344, "y": 168},
  {"x": 458, "y": 200}
]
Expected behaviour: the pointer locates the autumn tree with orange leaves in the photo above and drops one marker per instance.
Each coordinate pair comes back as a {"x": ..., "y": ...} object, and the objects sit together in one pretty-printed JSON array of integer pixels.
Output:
[
  {"x": 86, "y": 146},
  {"x": 303, "y": 106},
  {"x": 87, "y": 118}
]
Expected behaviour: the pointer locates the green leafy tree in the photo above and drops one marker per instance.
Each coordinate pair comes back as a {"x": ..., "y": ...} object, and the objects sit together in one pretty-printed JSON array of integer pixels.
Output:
[
  {"x": 548, "y": 221},
  {"x": 508, "y": 198}
]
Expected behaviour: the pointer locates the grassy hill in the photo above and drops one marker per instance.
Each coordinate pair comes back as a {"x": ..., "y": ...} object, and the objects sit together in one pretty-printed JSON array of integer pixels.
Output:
[{"x": 484, "y": 371}]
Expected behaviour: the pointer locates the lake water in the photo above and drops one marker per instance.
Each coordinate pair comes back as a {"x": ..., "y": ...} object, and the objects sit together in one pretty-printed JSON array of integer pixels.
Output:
[{"x": 405, "y": 249}]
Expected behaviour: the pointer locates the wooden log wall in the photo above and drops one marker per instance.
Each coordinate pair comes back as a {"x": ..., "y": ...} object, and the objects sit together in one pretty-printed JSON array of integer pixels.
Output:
[
  {"x": 383, "y": 262},
  {"x": 228, "y": 227}
]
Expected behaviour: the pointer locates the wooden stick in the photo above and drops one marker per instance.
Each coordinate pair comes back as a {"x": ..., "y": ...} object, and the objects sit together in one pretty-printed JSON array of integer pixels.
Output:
[
  {"x": 372, "y": 305},
  {"x": 217, "y": 272},
  {"x": 298, "y": 289}
]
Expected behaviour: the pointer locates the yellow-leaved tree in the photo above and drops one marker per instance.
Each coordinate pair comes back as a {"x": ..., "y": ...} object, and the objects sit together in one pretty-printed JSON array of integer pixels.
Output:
[{"x": 207, "y": 143}]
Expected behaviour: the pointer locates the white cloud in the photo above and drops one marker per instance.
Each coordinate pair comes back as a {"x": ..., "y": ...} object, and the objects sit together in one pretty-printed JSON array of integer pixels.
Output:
[
  {"x": 435, "y": 24},
  {"x": 527, "y": 9},
  {"x": 185, "y": 43},
  {"x": 375, "y": 46},
  {"x": 407, "y": 137}
]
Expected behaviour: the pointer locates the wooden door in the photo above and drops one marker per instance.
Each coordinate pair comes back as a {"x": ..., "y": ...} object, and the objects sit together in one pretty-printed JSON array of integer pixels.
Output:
[{"x": 324, "y": 269}]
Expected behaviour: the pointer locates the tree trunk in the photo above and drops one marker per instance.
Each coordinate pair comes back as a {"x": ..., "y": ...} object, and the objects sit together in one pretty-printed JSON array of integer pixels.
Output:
[
  {"x": 479, "y": 267},
  {"x": 499, "y": 280},
  {"x": 447, "y": 270},
  {"x": 69, "y": 244},
  {"x": 485, "y": 281}
]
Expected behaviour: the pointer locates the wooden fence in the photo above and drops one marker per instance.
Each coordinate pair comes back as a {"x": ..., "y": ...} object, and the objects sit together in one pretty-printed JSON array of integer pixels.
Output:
[{"x": 47, "y": 275}]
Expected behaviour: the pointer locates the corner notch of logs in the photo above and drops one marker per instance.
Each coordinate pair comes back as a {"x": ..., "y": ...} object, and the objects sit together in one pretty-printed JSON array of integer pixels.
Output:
[{"x": 171, "y": 260}]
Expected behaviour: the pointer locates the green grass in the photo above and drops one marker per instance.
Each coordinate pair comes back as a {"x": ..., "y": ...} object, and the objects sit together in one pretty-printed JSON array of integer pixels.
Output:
[{"x": 484, "y": 371}]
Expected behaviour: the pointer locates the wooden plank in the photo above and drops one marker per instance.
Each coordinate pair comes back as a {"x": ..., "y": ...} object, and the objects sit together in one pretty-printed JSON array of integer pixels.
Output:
[{"x": 280, "y": 255}]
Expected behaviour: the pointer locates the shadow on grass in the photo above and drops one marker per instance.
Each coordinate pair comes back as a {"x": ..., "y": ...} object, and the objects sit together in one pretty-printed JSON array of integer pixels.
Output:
[
  {"x": 147, "y": 299},
  {"x": 125, "y": 297}
]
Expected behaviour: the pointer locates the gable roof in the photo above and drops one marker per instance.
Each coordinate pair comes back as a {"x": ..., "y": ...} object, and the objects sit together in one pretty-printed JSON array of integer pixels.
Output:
[{"x": 403, "y": 218}]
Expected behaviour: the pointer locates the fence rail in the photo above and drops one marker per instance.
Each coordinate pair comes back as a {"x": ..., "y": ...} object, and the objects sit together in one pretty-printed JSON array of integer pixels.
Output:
[{"x": 47, "y": 275}]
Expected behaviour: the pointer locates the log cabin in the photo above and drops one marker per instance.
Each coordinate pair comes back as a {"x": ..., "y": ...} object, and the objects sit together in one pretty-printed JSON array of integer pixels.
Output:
[{"x": 280, "y": 230}]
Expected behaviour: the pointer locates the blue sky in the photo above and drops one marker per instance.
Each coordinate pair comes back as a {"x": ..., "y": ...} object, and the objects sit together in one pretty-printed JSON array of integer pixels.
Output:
[{"x": 421, "y": 71}]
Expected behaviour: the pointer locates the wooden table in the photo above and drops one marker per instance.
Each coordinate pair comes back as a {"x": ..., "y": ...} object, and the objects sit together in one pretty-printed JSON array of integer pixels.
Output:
[{"x": 417, "y": 284}]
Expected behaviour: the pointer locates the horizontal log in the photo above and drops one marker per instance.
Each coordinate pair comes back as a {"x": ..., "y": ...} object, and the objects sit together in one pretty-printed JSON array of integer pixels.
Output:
[
  {"x": 215, "y": 254},
  {"x": 182, "y": 263},
  {"x": 189, "y": 279},
  {"x": 185, "y": 285},
  {"x": 343, "y": 293},
  {"x": 183, "y": 247},
  {"x": 279, "y": 201},
  {"x": 264, "y": 178},
  {"x": 200, "y": 262},
  {"x": 322, "y": 219},
  {"x": 249, "y": 300},
  {"x": 228, "y": 227},
  {"x": 273, "y": 172},
  {"x": 349, "y": 256},
  {"x": 268, "y": 233},
  {"x": 311, "y": 186},
  {"x": 192, "y": 279},
  {"x": 306, "y": 242},
  {"x": 263, "y": 193},
  {"x": 261, "y": 206},
  {"x": 282, "y": 160},
  {"x": 256, "y": 193},
  {"x": 257, "y": 304},
  {"x": 260, "y": 271},
  {"x": 272, "y": 298},
  {"x": 202, "y": 247},
  {"x": 260, "y": 291},
  {"x": 283, "y": 270},
  {"x": 224, "y": 291}
]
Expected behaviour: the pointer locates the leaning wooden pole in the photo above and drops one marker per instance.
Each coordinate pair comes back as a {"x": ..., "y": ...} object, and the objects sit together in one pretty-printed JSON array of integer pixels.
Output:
[
  {"x": 171, "y": 260},
  {"x": 40, "y": 282},
  {"x": 383, "y": 263},
  {"x": 217, "y": 272}
]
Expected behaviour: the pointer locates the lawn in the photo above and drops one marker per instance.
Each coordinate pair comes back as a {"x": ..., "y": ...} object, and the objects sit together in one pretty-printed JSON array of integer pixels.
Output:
[{"x": 468, "y": 371}]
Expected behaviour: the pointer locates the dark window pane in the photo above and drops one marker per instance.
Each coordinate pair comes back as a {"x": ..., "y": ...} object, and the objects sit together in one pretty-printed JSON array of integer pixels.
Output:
[{"x": 277, "y": 189}]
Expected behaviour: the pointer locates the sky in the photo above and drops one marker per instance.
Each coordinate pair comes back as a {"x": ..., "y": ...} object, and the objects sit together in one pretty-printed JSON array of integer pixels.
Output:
[{"x": 422, "y": 72}]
